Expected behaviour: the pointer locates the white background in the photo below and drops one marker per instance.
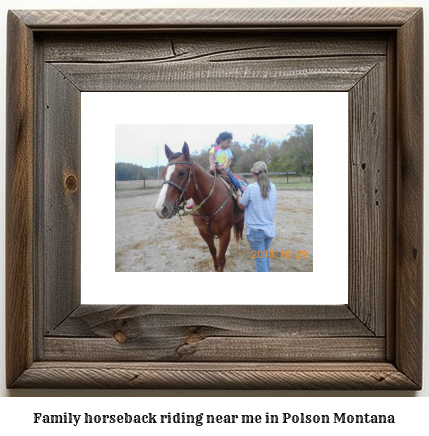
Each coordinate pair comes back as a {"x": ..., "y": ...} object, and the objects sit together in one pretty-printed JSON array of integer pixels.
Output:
[
  {"x": 327, "y": 284},
  {"x": 15, "y": 411}
]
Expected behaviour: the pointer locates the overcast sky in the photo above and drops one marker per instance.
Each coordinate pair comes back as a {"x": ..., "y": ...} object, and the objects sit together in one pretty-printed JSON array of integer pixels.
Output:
[{"x": 137, "y": 143}]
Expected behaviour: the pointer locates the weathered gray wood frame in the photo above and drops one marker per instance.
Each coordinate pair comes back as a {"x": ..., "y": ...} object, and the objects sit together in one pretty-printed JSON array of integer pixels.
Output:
[{"x": 374, "y": 342}]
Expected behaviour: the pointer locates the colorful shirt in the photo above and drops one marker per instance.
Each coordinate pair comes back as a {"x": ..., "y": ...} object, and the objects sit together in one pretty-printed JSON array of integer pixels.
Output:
[
  {"x": 221, "y": 156},
  {"x": 259, "y": 212}
]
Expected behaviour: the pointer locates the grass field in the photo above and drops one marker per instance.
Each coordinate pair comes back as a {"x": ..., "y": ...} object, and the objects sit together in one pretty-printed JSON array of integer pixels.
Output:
[
  {"x": 133, "y": 188},
  {"x": 295, "y": 183}
]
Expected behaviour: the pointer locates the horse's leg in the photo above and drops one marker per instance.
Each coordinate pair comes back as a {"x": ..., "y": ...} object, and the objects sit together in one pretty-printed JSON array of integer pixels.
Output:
[
  {"x": 223, "y": 245},
  {"x": 240, "y": 229},
  {"x": 210, "y": 242},
  {"x": 228, "y": 250}
]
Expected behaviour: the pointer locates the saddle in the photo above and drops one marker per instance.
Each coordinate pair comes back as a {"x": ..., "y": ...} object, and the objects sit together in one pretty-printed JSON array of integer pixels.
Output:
[{"x": 225, "y": 179}]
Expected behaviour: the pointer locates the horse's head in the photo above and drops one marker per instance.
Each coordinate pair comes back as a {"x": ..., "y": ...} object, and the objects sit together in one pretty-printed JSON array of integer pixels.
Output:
[{"x": 176, "y": 179}]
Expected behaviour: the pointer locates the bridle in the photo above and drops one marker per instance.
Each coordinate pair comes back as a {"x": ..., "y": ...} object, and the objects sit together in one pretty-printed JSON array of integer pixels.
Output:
[{"x": 181, "y": 198}]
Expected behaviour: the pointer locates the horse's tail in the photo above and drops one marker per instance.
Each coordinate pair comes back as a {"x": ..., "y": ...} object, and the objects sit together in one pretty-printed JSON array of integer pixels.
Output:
[{"x": 237, "y": 231}]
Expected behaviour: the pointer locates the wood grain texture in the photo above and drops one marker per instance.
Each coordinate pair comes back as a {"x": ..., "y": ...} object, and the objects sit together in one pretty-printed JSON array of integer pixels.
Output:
[
  {"x": 368, "y": 202},
  {"x": 409, "y": 264},
  {"x": 330, "y": 74},
  {"x": 136, "y": 322},
  {"x": 19, "y": 200},
  {"x": 61, "y": 186},
  {"x": 40, "y": 263},
  {"x": 194, "y": 348},
  {"x": 231, "y": 17},
  {"x": 227, "y": 46},
  {"x": 215, "y": 376},
  {"x": 391, "y": 192},
  {"x": 213, "y": 333}
]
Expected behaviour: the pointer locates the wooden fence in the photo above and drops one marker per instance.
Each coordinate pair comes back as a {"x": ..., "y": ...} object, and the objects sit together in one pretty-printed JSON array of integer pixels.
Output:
[{"x": 287, "y": 174}]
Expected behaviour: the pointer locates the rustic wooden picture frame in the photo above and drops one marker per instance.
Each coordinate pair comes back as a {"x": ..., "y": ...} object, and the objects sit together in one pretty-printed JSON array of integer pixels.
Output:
[{"x": 373, "y": 342}]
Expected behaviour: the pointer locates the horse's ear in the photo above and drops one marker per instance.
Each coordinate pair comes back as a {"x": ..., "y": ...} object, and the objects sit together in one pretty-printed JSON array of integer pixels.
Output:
[
  {"x": 185, "y": 150},
  {"x": 168, "y": 152}
]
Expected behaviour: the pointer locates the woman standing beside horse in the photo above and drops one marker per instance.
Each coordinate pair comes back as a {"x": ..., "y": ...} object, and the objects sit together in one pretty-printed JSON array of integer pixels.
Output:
[{"x": 259, "y": 201}]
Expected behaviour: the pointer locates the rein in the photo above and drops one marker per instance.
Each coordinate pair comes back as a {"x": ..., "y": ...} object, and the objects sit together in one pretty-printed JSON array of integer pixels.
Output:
[
  {"x": 207, "y": 217},
  {"x": 199, "y": 205}
]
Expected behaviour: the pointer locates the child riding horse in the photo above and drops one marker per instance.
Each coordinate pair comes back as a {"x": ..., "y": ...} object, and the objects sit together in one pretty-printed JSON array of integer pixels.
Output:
[{"x": 213, "y": 213}]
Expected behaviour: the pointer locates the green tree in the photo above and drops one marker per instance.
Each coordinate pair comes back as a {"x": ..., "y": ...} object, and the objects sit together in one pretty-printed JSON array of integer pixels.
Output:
[
  {"x": 245, "y": 162},
  {"x": 258, "y": 143},
  {"x": 202, "y": 158},
  {"x": 237, "y": 150},
  {"x": 296, "y": 152},
  {"x": 127, "y": 171}
]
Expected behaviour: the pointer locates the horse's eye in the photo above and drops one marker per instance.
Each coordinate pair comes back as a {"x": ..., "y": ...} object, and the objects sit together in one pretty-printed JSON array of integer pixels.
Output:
[{"x": 181, "y": 173}]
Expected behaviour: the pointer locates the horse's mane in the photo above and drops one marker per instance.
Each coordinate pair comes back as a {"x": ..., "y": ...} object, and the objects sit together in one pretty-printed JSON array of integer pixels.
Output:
[
  {"x": 179, "y": 153},
  {"x": 175, "y": 155}
]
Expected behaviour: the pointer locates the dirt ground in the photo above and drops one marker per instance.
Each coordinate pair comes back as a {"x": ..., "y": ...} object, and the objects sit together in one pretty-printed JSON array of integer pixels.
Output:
[{"x": 144, "y": 242}]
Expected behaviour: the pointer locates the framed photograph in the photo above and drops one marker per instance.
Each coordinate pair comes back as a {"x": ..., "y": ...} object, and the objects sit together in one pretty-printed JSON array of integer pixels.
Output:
[
  {"x": 75, "y": 77},
  {"x": 133, "y": 127}
]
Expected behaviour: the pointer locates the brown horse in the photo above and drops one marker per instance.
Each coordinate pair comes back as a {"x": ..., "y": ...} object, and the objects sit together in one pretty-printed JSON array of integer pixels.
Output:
[{"x": 213, "y": 212}]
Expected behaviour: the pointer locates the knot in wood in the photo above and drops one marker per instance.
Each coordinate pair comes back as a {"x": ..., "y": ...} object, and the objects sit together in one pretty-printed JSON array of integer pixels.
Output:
[
  {"x": 193, "y": 337},
  {"x": 120, "y": 337},
  {"x": 71, "y": 183}
]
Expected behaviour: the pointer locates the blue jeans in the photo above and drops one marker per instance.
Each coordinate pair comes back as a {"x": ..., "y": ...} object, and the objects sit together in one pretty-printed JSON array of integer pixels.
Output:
[
  {"x": 234, "y": 181},
  {"x": 259, "y": 243}
]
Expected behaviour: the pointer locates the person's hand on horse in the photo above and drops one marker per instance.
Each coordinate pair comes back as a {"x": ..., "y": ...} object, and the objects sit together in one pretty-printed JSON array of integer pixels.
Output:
[{"x": 212, "y": 168}]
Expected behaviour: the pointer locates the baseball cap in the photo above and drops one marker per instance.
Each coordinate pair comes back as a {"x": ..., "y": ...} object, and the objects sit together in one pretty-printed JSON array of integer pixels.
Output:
[{"x": 258, "y": 167}]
